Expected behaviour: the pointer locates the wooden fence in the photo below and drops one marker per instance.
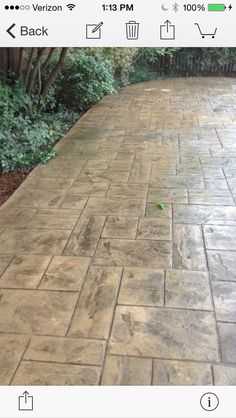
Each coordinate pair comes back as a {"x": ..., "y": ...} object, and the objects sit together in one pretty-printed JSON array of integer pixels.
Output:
[{"x": 195, "y": 66}]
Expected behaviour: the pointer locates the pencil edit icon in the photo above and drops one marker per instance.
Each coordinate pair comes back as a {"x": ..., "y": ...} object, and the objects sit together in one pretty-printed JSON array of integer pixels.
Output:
[{"x": 93, "y": 31}]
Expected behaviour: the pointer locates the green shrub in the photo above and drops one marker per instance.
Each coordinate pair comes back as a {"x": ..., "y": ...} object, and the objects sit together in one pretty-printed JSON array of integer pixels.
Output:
[
  {"x": 145, "y": 62},
  {"x": 148, "y": 56},
  {"x": 27, "y": 137},
  {"x": 142, "y": 74},
  {"x": 85, "y": 78},
  {"x": 122, "y": 60}
]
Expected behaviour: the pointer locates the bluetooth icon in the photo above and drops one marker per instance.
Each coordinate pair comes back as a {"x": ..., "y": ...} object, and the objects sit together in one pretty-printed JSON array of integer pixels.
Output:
[{"x": 175, "y": 7}]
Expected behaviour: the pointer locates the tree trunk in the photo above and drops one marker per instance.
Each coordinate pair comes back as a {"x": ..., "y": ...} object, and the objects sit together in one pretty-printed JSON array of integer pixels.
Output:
[
  {"x": 47, "y": 61},
  {"x": 39, "y": 81},
  {"x": 34, "y": 73},
  {"x": 20, "y": 69},
  {"x": 30, "y": 62},
  {"x": 53, "y": 75}
]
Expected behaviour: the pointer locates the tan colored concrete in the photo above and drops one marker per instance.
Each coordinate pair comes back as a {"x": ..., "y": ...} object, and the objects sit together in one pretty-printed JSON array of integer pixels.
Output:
[{"x": 98, "y": 284}]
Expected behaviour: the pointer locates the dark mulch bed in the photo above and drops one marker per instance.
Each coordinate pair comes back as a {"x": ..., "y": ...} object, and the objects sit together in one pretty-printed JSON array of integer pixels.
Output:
[{"x": 9, "y": 183}]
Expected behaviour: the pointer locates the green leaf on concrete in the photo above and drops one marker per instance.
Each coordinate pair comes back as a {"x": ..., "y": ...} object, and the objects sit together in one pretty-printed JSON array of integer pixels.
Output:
[{"x": 161, "y": 206}]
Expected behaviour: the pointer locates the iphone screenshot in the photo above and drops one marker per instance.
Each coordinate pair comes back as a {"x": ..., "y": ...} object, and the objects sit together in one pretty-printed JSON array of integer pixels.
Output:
[{"x": 117, "y": 209}]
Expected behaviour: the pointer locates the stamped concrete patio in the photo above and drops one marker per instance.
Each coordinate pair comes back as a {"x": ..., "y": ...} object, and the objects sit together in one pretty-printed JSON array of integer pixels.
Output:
[{"x": 101, "y": 286}]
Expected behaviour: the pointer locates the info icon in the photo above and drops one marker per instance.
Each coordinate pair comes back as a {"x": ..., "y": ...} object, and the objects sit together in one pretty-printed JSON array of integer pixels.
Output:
[{"x": 209, "y": 401}]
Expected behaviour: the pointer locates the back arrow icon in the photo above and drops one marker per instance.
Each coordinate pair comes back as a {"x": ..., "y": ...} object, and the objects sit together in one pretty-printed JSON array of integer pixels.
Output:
[{"x": 9, "y": 30}]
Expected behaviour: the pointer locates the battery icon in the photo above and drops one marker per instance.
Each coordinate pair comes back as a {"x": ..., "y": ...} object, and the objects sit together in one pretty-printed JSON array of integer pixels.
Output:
[{"x": 216, "y": 7}]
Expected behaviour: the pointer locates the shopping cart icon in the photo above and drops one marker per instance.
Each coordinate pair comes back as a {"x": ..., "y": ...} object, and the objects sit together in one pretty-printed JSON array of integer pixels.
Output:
[
  {"x": 132, "y": 30},
  {"x": 203, "y": 35}
]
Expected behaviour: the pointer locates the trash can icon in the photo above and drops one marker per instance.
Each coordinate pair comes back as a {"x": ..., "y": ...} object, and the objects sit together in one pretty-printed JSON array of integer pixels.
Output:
[{"x": 132, "y": 30}]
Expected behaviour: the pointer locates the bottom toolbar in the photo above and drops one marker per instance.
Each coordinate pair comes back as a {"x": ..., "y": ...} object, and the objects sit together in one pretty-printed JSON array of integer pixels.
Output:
[{"x": 117, "y": 402}]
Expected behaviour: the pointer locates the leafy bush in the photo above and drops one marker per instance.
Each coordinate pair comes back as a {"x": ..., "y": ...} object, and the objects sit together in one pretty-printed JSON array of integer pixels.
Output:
[
  {"x": 26, "y": 137},
  {"x": 148, "y": 56},
  {"x": 85, "y": 78},
  {"x": 142, "y": 74},
  {"x": 122, "y": 60},
  {"x": 146, "y": 61}
]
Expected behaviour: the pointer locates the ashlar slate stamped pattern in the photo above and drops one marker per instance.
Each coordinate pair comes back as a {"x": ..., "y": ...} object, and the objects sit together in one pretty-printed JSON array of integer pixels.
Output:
[{"x": 98, "y": 284}]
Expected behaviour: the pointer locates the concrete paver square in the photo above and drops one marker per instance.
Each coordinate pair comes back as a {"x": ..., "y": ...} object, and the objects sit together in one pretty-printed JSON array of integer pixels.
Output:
[
  {"x": 224, "y": 375},
  {"x": 25, "y": 271},
  {"x": 11, "y": 217},
  {"x": 101, "y": 176},
  {"x": 123, "y": 371},
  {"x": 94, "y": 311},
  {"x": 140, "y": 172},
  {"x": 130, "y": 191},
  {"x": 165, "y": 333},
  {"x": 174, "y": 373},
  {"x": 188, "y": 248},
  {"x": 5, "y": 260},
  {"x": 120, "y": 227},
  {"x": 222, "y": 265},
  {"x": 85, "y": 236},
  {"x": 188, "y": 289},
  {"x": 109, "y": 206},
  {"x": 38, "y": 198},
  {"x": 66, "y": 273},
  {"x": 54, "y": 219},
  {"x": 161, "y": 168},
  {"x": 35, "y": 241},
  {"x": 36, "y": 312},
  {"x": 132, "y": 253},
  {"x": 97, "y": 164},
  {"x": 213, "y": 172},
  {"x": 12, "y": 348},
  {"x": 219, "y": 237},
  {"x": 167, "y": 195},
  {"x": 66, "y": 350},
  {"x": 155, "y": 228},
  {"x": 154, "y": 211},
  {"x": 224, "y": 295},
  {"x": 142, "y": 287},
  {"x": 122, "y": 165},
  {"x": 232, "y": 184},
  {"x": 87, "y": 189},
  {"x": 227, "y": 335},
  {"x": 204, "y": 215},
  {"x": 216, "y": 184},
  {"x": 74, "y": 201},
  {"x": 210, "y": 197},
  {"x": 47, "y": 374},
  {"x": 190, "y": 181},
  {"x": 34, "y": 182}
]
